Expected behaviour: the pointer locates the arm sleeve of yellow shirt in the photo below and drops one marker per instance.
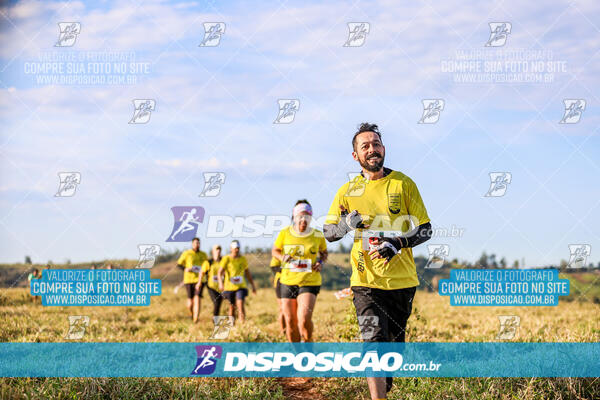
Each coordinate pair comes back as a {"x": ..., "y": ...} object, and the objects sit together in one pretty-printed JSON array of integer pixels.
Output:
[
  {"x": 415, "y": 206},
  {"x": 334, "y": 227},
  {"x": 280, "y": 239},
  {"x": 182, "y": 260},
  {"x": 322, "y": 244},
  {"x": 205, "y": 266}
]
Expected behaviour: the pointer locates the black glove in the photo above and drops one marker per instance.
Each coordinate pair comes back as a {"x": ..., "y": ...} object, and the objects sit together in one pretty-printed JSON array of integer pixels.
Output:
[{"x": 385, "y": 247}]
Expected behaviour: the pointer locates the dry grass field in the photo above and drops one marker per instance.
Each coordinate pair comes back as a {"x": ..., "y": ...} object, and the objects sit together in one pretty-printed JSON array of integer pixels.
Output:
[{"x": 167, "y": 320}]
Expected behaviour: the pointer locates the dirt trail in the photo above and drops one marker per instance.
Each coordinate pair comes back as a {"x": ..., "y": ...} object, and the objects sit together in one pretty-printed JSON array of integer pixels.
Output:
[{"x": 300, "y": 389}]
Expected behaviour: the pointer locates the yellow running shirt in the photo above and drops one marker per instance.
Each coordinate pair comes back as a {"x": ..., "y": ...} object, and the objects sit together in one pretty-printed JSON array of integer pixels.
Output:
[
  {"x": 194, "y": 260},
  {"x": 210, "y": 271},
  {"x": 304, "y": 250},
  {"x": 234, "y": 272},
  {"x": 275, "y": 263},
  {"x": 386, "y": 204}
]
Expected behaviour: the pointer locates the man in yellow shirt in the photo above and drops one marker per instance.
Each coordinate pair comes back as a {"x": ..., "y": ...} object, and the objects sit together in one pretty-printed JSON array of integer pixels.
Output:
[
  {"x": 191, "y": 262},
  {"x": 388, "y": 217},
  {"x": 232, "y": 277},
  {"x": 301, "y": 251}
]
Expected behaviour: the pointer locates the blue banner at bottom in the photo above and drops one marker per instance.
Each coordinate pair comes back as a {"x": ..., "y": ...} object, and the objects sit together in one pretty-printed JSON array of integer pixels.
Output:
[{"x": 299, "y": 359}]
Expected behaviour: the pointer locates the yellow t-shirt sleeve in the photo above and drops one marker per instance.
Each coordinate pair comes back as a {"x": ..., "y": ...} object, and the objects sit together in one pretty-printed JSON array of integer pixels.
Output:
[
  {"x": 205, "y": 266},
  {"x": 245, "y": 264},
  {"x": 415, "y": 205},
  {"x": 333, "y": 216},
  {"x": 224, "y": 262},
  {"x": 280, "y": 240},
  {"x": 182, "y": 259},
  {"x": 322, "y": 243}
]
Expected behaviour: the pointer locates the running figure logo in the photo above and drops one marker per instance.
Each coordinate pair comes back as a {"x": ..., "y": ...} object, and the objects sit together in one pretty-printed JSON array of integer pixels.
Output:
[
  {"x": 499, "y": 183},
  {"x": 185, "y": 224},
  {"x": 142, "y": 110},
  {"x": 77, "y": 326},
  {"x": 367, "y": 325},
  {"x": 356, "y": 187},
  {"x": 573, "y": 110},
  {"x": 432, "y": 108},
  {"x": 579, "y": 255},
  {"x": 499, "y": 32},
  {"x": 148, "y": 254},
  {"x": 212, "y": 184},
  {"x": 212, "y": 34},
  {"x": 508, "y": 326},
  {"x": 437, "y": 255},
  {"x": 357, "y": 35},
  {"x": 68, "y": 33},
  {"x": 223, "y": 325},
  {"x": 207, "y": 359},
  {"x": 287, "y": 111},
  {"x": 68, "y": 183}
]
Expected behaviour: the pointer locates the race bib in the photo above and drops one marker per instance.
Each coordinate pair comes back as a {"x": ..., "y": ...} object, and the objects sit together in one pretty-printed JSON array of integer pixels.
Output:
[
  {"x": 236, "y": 280},
  {"x": 215, "y": 279},
  {"x": 300, "y": 265},
  {"x": 196, "y": 269}
]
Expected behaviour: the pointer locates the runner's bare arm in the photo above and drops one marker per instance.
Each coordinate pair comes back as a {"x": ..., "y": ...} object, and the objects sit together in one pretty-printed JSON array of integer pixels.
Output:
[
  {"x": 249, "y": 278},
  {"x": 220, "y": 277},
  {"x": 278, "y": 254}
]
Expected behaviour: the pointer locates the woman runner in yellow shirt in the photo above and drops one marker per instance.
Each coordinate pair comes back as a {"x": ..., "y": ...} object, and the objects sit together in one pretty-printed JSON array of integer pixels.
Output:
[{"x": 301, "y": 250}]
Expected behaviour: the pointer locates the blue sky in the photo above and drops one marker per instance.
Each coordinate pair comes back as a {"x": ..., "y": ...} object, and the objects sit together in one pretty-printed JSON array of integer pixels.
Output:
[{"x": 216, "y": 106}]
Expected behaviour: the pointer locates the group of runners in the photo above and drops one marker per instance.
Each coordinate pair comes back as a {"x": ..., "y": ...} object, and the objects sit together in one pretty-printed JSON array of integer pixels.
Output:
[{"x": 385, "y": 211}]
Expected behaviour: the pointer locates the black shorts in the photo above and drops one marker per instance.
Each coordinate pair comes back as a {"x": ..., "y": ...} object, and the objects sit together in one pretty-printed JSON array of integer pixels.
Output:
[
  {"x": 190, "y": 288},
  {"x": 382, "y": 314},
  {"x": 232, "y": 295},
  {"x": 292, "y": 291}
]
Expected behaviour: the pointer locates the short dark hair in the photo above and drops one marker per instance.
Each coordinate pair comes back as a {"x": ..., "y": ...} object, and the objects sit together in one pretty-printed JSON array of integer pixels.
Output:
[
  {"x": 365, "y": 127},
  {"x": 194, "y": 239},
  {"x": 302, "y": 201}
]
